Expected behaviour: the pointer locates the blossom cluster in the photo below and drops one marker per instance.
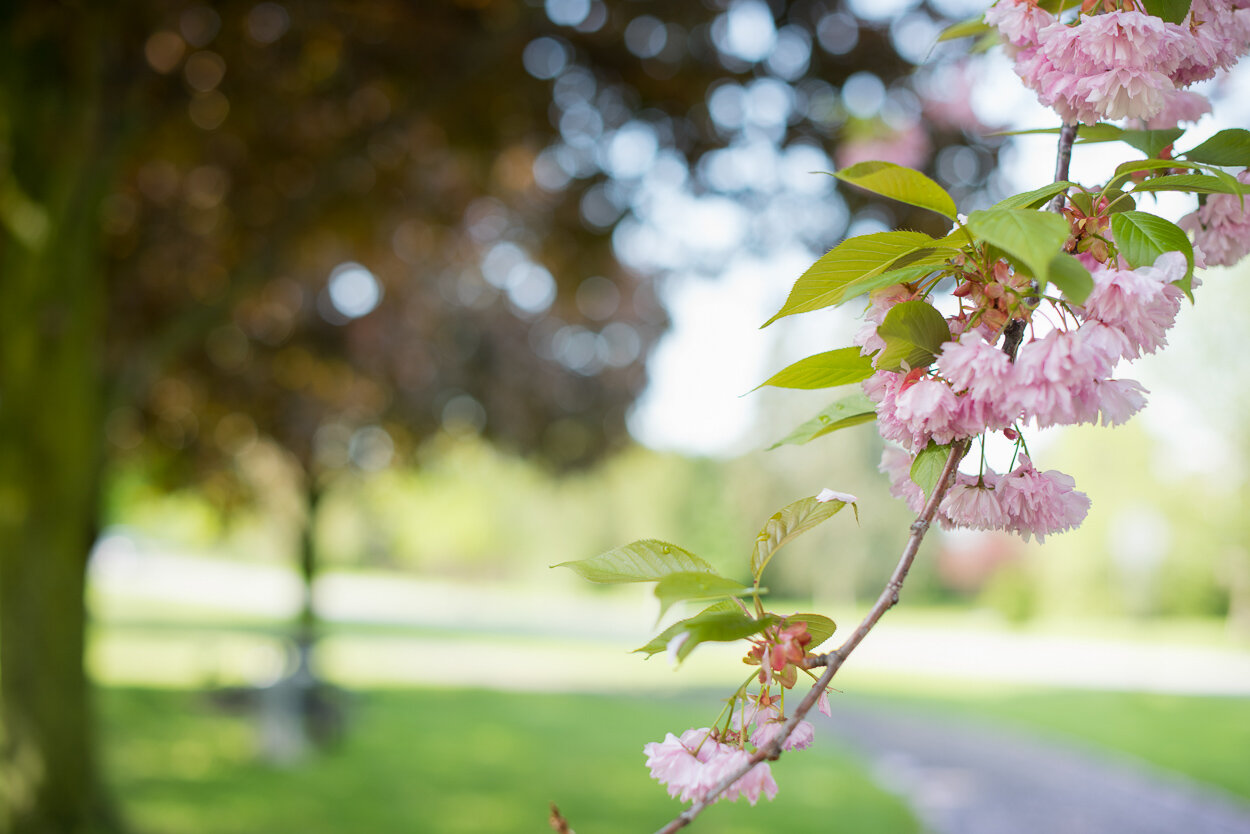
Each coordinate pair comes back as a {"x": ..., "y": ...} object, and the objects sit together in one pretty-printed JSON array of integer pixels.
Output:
[
  {"x": 691, "y": 765},
  {"x": 1062, "y": 377},
  {"x": 1123, "y": 63},
  {"x": 1221, "y": 228}
]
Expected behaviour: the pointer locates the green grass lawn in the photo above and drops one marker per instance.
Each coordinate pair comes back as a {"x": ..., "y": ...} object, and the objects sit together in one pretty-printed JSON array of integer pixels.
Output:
[
  {"x": 1205, "y": 738},
  {"x": 451, "y": 761}
]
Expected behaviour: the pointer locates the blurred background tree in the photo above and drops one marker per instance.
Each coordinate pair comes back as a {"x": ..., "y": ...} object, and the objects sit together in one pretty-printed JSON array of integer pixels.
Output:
[{"x": 338, "y": 228}]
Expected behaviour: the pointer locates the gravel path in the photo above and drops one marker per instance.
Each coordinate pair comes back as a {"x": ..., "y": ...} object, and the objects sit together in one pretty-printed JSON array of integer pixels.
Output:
[{"x": 978, "y": 779}]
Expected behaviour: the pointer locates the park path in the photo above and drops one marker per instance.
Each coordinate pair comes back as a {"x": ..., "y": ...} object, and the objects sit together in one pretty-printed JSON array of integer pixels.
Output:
[{"x": 972, "y": 778}]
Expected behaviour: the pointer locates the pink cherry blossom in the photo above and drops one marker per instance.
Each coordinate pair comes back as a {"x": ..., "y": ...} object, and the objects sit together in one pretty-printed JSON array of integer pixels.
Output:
[
  {"x": 1055, "y": 374},
  {"x": 758, "y": 780},
  {"x": 986, "y": 375},
  {"x": 974, "y": 503},
  {"x": 879, "y": 303},
  {"x": 1018, "y": 21},
  {"x": 802, "y": 737},
  {"x": 822, "y": 704},
  {"x": 1215, "y": 35},
  {"x": 1118, "y": 400},
  {"x": 1221, "y": 227},
  {"x": 1142, "y": 303},
  {"x": 675, "y": 764},
  {"x": 929, "y": 410},
  {"x": 1040, "y": 503},
  {"x": 1179, "y": 106},
  {"x": 896, "y": 465},
  {"x": 882, "y": 388},
  {"x": 690, "y": 766},
  {"x": 1107, "y": 66}
]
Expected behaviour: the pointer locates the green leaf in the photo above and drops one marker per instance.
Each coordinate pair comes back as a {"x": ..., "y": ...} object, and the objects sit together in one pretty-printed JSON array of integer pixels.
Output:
[
  {"x": 820, "y": 627},
  {"x": 678, "y": 587},
  {"x": 713, "y": 624},
  {"x": 899, "y": 183},
  {"x": 1228, "y": 147},
  {"x": 824, "y": 370},
  {"x": 1125, "y": 170},
  {"x": 971, "y": 27},
  {"x": 1036, "y": 198},
  {"x": 905, "y": 275},
  {"x": 914, "y": 333},
  {"x": 927, "y": 468},
  {"x": 1031, "y": 237},
  {"x": 909, "y": 267},
  {"x": 1234, "y": 186},
  {"x": 1071, "y": 276},
  {"x": 1151, "y": 142},
  {"x": 1173, "y": 11},
  {"x": 1101, "y": 132},
  {"x": 1141, "y": 237},
  {"x": 640, "y": 561},
  {"x": 858, "y": 257},
  {"x": 846, "y": 412},
  {"x": 787, "y": 523},
  {"x": 1195, "y": 183}
]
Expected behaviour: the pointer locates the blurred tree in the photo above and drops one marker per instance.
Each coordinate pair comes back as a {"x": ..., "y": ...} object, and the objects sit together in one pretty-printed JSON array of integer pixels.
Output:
[{"x": 344, "y": 226}]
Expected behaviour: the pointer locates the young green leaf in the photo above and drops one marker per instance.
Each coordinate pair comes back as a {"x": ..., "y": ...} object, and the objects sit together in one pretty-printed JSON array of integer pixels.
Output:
[
  {"x": 824, "y": 370},
  {"x": 640, "y": 561},
  {"x": 1125, "y": 170},
  {"x": 913, "y": 332},
  {"x": 713, "y": 624},
  {"x": 1195, "y": 183},
  {"x": 903, "y": 275},
  {"x": 1071, "y": 276},
  {"x": 899, "y": 183},
  {"x": 928, "y": 466},
  {"x": 1031, "y": 237},
  {"x": 858, "y": 257},
  {"x": 679, "y": 587},
  {"x": 1036, "y": 198},
  {"x": 1141, "y": 237},
  {"x": 820, "y": 627},
  {"x": 1228, "y": 147},
  {"x": 846, "y": 412},
  {"x": 787, "y": 523},
  {"x": 971, "y": 27},
  {"x": 1173, "y": 11}
]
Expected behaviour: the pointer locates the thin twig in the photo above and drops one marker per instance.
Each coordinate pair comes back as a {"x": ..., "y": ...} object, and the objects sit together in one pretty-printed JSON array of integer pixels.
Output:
[
  {"x": 834, "y": 659},
  {"x": 558, "y": 823}
]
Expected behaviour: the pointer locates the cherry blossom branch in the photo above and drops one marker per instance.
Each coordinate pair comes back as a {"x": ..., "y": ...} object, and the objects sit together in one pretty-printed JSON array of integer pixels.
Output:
[
  {"x": 1013, "y": 333},
  {"x": 1063, "y": 162},
  {"x": 832, "y": 661}
]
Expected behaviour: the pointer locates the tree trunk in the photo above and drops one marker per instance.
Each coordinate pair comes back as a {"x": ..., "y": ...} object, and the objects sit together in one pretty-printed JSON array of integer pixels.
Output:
[
  {"x": 50, "y": 404},
  {"x": 51, "y": 395}
]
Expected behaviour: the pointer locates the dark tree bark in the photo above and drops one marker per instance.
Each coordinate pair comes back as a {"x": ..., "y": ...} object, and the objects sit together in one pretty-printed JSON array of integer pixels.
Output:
[{"x": 53, "y": 170}]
